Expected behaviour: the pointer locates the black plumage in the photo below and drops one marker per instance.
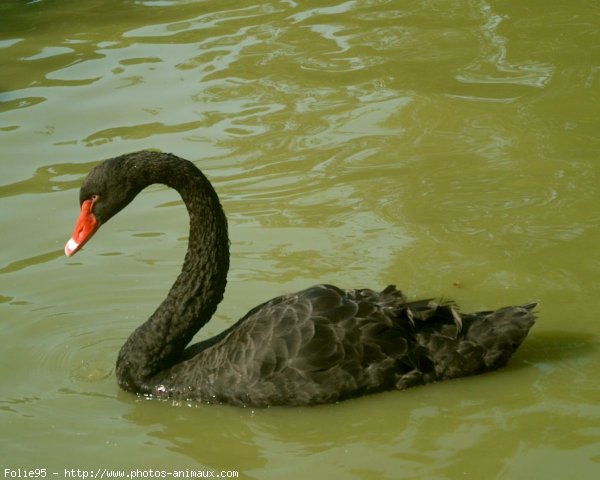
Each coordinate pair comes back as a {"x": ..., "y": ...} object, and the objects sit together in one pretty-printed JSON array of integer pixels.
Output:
[{"x": 320, "y": 345}]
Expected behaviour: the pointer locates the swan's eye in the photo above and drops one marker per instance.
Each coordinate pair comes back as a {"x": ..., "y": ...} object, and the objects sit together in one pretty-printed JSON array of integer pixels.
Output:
[{"x": 94, "y": 198}]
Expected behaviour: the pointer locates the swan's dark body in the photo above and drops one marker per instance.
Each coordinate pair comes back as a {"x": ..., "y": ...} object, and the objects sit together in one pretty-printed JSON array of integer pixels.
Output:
[{"x": 320, "y": 345}]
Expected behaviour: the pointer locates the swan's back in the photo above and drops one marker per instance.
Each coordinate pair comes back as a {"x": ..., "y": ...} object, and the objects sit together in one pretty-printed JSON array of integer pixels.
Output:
[{"x": 324, "y": 344}]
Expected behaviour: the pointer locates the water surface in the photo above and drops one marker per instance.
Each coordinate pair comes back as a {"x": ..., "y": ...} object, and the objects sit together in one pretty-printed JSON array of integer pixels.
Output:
[{"x": 450, "y": 148}]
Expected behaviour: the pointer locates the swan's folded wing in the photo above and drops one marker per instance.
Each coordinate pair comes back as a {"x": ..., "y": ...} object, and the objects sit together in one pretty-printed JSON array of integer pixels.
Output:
[
  {"x": 318, "y": 337},
  {"x": 315, "y": 346}
]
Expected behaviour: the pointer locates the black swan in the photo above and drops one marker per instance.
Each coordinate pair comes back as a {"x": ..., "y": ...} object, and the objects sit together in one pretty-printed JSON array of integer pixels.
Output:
[{"x": 321, "y": 345}]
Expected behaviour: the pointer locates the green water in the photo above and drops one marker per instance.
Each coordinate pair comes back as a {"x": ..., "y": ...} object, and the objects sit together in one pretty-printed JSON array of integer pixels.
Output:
[{"x": 449, "y": 147}]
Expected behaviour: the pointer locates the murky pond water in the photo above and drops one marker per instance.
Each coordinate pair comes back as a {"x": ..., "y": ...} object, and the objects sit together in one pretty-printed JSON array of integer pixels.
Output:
[{"x": 448, "y": 147}]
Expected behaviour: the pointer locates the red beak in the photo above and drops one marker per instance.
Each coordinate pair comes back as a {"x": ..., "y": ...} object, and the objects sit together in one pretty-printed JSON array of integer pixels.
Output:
[{"x": 86, "y": 226}]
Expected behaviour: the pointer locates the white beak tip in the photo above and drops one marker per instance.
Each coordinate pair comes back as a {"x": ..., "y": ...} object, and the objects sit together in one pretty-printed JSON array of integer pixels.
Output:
[{"x": 71, "y": 247}]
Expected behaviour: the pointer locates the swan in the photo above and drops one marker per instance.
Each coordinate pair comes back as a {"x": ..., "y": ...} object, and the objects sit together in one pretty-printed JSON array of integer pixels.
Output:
[{"x": 321, "y": 345}]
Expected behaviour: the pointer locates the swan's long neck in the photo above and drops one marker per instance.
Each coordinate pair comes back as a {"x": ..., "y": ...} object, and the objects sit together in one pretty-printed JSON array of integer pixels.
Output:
[{"x": 159, "y": 342}]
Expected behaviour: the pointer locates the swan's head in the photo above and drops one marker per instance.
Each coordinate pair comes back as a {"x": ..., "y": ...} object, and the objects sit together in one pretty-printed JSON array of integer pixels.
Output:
[{"x": 107, "y": 189}]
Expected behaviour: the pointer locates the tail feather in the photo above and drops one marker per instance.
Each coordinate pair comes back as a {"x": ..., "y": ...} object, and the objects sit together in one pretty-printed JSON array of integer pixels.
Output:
[
  {"x": 476, "y": 343},
  {"x": 500, "y": 333}
]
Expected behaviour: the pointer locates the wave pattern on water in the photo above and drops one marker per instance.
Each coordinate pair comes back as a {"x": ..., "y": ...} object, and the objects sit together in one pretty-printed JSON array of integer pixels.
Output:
[{"x": 448, "y": 147}]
